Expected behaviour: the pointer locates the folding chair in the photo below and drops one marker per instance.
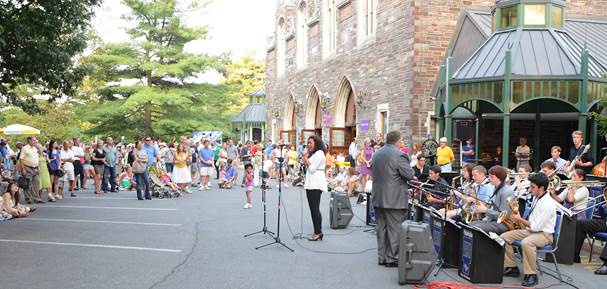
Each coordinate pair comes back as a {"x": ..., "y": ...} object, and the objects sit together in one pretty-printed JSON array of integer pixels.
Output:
[{"x": 547, "y": 249}]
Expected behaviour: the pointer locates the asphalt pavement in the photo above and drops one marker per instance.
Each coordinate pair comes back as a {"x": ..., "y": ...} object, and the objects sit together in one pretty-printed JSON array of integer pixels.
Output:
[{"x": 196, "y": 241}]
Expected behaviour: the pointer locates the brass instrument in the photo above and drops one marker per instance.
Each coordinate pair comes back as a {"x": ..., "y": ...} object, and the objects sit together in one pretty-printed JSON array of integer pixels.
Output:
[
  {"x": 470, "y": 213},
  {"x": 597, "y": 204},
  {"x": 582, "y": 183},
  {"x": 555, "y": 183},
  {"x": 504, "y": 217}
]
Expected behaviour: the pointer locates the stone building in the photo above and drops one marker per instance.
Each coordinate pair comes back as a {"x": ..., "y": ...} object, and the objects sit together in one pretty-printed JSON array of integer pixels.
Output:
[{"x": 345, "y": 68}]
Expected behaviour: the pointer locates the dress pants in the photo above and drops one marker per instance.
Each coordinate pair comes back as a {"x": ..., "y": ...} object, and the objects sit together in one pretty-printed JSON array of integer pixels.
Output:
[
  {"x": 529, "y": 243},
  {"x": 314, "y": 204},
  {"x": 388, "y": 231},
  {"x": 33, "y": 175},
  {"x": 585, "y": 227},
  {"x": 490, "y": 226}
]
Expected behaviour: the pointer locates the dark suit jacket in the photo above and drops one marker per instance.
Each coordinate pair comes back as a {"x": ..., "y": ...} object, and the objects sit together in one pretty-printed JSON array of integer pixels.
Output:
[{"x": 391, "y": 171}]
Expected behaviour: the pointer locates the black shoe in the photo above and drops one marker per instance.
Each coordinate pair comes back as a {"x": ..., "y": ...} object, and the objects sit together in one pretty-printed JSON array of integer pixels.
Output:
[
  {"x": 577, "y": 260},
  {"x": 380, "y": 263},
  {"x": 148, "y": 198},
  {"x": 317, "y": 238},
  {"x": 391, "y": 265},
  {"x": 512, "y": 272},
  {"x": 141, "y": 199},
  {"x": 530, "y": 280},
  {"x": 602, "y": 270}
]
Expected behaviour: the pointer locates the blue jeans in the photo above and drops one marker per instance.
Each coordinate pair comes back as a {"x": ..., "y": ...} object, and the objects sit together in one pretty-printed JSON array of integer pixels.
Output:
[
  {"x": 143, "y": 177},
  {"x": 111, "y": 173},
  {"x": 169, "y": 167}
]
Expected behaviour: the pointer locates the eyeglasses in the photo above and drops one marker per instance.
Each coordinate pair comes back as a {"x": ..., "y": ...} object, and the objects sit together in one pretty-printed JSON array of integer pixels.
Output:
[{"x": 148, "y": 140}]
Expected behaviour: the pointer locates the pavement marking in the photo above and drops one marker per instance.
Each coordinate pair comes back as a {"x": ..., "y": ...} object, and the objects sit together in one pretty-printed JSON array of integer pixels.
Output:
[
  {"x": 112, "y": 208},
  {"x": 91, "y": 245},
  {"x": 98, "y": 221}
]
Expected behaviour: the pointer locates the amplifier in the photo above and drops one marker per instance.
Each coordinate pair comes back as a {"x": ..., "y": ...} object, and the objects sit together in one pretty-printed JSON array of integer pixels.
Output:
[{"x": 340, "y": 210}]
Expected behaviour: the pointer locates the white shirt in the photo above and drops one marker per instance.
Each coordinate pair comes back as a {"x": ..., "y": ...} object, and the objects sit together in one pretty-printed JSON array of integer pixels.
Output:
[
  {"x": 521, "y": 188},
  {"x": 69, "y": 154},
  {"x": 558, "y": 163},
  {"x": 353, "y": 150},
  {"x": 267, "y": 165},
  {"x": 315, "y": 175},
  {"x": 543, "y": 214},
  {"x": 581, "y": 198},
  {"x": 78, "y": 151}
]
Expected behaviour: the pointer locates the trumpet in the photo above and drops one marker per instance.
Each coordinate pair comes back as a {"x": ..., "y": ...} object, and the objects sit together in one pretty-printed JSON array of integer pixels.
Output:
[
  {"x": 582, "y": 183},
  {"x": 504, "y": 217}
]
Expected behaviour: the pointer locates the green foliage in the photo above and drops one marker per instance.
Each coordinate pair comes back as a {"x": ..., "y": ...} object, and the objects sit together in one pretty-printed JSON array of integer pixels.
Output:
[
  {"x": 246, "y": 75},
  {"x": 145, "y": 87},
  {"x": 38, "y": 42}
]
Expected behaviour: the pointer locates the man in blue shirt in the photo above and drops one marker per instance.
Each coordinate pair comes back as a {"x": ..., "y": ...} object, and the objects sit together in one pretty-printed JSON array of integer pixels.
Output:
[
  {"x": 231, "y": 175},
  {"x": 109, "y": 170},
  {"x": 269, "y": 149},
  {"x": 205, "y": 159},
  {"x": 151, "y": 151},
  {"x": 468, "y": 152}
]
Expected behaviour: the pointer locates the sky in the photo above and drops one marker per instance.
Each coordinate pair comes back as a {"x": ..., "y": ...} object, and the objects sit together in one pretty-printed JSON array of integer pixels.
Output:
[{"x": 235, "y": 25}]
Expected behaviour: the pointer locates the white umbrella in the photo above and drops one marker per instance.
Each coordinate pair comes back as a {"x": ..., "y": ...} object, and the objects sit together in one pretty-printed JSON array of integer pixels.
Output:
[{"x": 19, "y": 129}]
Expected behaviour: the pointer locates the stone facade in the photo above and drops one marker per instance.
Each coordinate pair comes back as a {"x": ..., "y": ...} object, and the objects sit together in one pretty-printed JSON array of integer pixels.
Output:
[{"x": 393, "y": 70}]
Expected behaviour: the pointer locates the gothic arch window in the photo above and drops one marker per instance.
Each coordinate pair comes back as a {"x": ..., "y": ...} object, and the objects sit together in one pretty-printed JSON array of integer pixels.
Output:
[
  {"x": 367, "y": 19},
  {"x": 280, "y": 48},
  {"x": 302, "y": 35},
  {"x": 329, "y": 27}
]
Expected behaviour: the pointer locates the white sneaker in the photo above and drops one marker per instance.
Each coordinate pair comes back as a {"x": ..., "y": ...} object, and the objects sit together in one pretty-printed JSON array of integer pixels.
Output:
[
  {"x": 286, "y": 185},
  {"x": 208, "y": 187},
  {"x": 247, "y": 206}
]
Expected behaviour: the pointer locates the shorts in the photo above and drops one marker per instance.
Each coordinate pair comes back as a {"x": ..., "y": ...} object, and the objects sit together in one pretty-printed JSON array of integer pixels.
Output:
[
  {"x": 69, "y": 175},
  {"x": 87, "y": 167},
  {"x": 193, "y": 168},
  {"x": 279, "y": 165},
  {"x": 99, "y": 169},
  {"x": 56, "y": 173},
  {"x": 206, "y": 171},
  {"x": 249, "y": 188}
]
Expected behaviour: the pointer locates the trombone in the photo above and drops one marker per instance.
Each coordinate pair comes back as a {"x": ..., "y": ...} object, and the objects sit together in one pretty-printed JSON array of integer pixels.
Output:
[{"x": 604, "y": 195}]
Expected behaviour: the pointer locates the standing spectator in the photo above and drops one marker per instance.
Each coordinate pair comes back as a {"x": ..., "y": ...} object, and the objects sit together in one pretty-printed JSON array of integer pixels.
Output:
[
  {"x": 181, "y": 174},
  {"x": 54, "y": 156},
  {"x": 293, "y": 157},
  {"x": 269, "y": 149},
  {"x": 140, "y": 170},
  {"x": 392, "y": 171},
  {"x": 169, "y": 157},
  {"x": 109, "y": 169},
  {"x": 78, "y": 150},
  {"x": 232, "y": 152},
  {"x": 257, "y": 162},
  {"x": 245, "y": 153},
  {"x": 88, "y": 168},
  {"x": 316, "y": 181},
  {"x": 28, "y": 167},
  {"x": 152, "y": 152},
  {"x": 205, "y": 156},
  {"x": 216, "y": 149},
  {"x": 193, "y": 150},
  {"x": 468, "y": 152},
  {"x": 280, "y": 168},
  {"x": 522, "y": 153},
  {"x": 444, "y": 156},
  {"x": 417, "y": 151},
  {"x": 45, "y": 178},
  {"x": 353, "y": 152},
  {"x": 67, "y": 159},
  {"x": 364, "y": 163},
  {"x": 98, "y": 162},
  {"x": 555, "y": 153},
  {"x": 379, "y": 139}
]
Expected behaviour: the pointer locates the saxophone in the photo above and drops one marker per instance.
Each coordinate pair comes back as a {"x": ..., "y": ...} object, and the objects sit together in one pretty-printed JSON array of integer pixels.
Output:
[
  {"x": 504, "y": 217},
  {"x": 469, "y": 212}
]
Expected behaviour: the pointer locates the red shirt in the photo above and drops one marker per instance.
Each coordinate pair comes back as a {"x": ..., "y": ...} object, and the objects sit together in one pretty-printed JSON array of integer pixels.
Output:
[{"x": 254, "y": 150}]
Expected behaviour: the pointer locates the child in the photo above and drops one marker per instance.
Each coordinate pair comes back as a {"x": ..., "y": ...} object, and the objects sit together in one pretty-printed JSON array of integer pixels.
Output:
[
  {"x": 248, "y": 181},
  {"x": 267, "y": 168},
  {"x": 126, "y": 180},
  {"x": 222, "y": 175},
  {"x": 10, "y": 202},
  {"x": 166, "y": 179}
]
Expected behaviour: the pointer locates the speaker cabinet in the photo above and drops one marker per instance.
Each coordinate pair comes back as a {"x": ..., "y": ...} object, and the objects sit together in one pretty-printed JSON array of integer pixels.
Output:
[
  {"x": 340, "y": 210},
  {"x": 415, "y": 252},
  {"x": 464, "y": 130}
]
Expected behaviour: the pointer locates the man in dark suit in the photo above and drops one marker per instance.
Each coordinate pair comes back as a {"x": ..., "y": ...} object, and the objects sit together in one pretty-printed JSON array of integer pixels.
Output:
[{"x": 391, "y": 171}]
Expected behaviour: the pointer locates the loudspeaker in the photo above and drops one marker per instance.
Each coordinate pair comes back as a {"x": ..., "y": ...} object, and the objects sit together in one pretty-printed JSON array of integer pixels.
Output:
[
  {"x": 340, "y": 210},
  {"x": 464, "y": 130},
  {"x": 415, "y": 253}
]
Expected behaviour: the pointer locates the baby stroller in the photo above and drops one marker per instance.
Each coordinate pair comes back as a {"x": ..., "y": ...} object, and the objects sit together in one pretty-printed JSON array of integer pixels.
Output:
[{"x": 159, "y": 189}]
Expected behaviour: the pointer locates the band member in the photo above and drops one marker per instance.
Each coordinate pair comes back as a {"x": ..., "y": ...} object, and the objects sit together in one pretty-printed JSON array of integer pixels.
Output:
[
  {"x": 575, "y": 196},
  {"x": 537, "y": 233},
  {"x": 522, "y": 153},
  {"x": 555, "y": 153},
  {"x": 483, "y": 189},
  {"x": 421, "y": 169},
  {"x": 391, "y": 171},
  {"x": 438, "y": 185},
  {"x": 585, "y": 161},
  {"x": 520, "y": 187},
  {"x": 549, "y": 169},
  {"x": 590, "y": 227},
  {"x": 496, "y": 204},
  {"x": 462, "y": 193}
]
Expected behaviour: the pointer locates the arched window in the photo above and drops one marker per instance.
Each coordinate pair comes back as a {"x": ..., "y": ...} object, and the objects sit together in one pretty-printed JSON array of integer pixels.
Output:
[
  {"x": 367, "y": 19},
  {"x": 280, "y": 48},
  {"x": 329, "y": 27},
  {"x": 302, "y": 36}
]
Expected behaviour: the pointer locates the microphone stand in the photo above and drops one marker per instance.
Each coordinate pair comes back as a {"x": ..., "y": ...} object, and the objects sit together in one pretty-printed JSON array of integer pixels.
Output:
[
  {"x": 276, "y": 237},
  {"x": 263, "y": 230}
]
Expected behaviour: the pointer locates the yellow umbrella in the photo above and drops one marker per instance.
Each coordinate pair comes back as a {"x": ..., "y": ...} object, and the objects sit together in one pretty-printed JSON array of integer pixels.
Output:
[{"x": 19, "y": 129}]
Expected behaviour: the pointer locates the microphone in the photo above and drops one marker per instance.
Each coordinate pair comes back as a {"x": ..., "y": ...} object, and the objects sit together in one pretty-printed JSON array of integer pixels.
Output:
[{"x": 604, "y": 149}]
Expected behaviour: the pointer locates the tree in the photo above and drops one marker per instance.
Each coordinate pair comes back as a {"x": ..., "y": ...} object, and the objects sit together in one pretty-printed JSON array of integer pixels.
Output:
[
  {"x": 152, "y": 89},
  {"x": 38, "y": 42},
  {"x": 246, "y": 76}
]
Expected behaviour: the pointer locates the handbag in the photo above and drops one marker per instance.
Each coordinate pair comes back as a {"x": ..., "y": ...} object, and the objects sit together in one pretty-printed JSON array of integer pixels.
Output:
[
  {"x": 138, "y": 167},
  {"x": 23, "y": 183}
]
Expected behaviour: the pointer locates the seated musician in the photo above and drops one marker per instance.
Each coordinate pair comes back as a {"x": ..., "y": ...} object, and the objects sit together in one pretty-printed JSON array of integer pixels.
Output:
[
  {"x": 420, "y": 169},
  {"x": 481, "y": 187},
  {"x": 437, "y": 184},
  {"x": 462, "y": 192},
  {"x": 520, "y": 187},
  {"x": 575, "y": 196},
  {"x": 537, "y": 233},
  {"x": 590, "y": 227},
  {"x": 496, "y": 204},
  {"x": 549, "y": 169}
]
